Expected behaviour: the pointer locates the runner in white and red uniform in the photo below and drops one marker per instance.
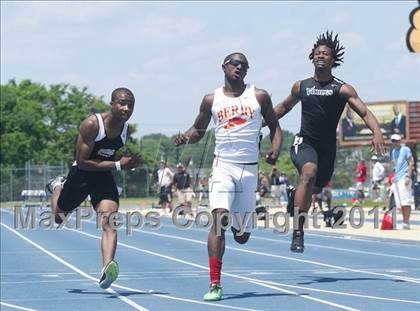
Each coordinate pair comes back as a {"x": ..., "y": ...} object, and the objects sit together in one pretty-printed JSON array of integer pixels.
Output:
[{"x": 237, "y": 110}]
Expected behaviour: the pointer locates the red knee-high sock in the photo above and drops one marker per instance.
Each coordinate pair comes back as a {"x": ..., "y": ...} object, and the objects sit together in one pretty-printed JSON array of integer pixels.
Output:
[{"x": 215, "y": 270}]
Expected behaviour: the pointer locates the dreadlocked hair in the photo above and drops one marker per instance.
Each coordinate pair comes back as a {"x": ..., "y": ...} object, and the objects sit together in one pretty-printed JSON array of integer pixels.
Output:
[{"x": 332, "y": 42}]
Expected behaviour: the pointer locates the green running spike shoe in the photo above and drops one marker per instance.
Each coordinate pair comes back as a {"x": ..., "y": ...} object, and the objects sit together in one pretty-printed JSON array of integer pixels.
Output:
[
  {"x": 215, "y": 293},
  {"x": 108, "y": 275}
]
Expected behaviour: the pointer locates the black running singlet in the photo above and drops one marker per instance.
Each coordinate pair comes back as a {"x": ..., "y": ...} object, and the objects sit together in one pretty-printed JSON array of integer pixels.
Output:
[
  {"x": 106, "y": 148},
  {"x": 322, "y": 107}
]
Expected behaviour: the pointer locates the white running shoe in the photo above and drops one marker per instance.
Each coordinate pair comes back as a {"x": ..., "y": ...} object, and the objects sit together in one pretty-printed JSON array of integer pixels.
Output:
[
  {"x": 109, "y": 274},
  {"x": 56, "y": 181},
  {"x": 405, "y": 226}
]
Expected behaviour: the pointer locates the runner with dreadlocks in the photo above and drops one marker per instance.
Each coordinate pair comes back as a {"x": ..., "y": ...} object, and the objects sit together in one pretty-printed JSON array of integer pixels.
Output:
[{"x": 323, "y": 99}]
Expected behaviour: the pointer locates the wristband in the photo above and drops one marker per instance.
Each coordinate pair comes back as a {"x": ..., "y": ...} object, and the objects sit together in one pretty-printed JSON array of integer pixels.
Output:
[{"x": 118, "y": 166}]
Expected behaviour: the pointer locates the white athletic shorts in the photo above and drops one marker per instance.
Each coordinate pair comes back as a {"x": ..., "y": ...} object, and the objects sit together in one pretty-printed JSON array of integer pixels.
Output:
[
  {"x": 275, "y": 191},
  {"x": 232, "y": 187},
  {"x": 403, "y": 193}
]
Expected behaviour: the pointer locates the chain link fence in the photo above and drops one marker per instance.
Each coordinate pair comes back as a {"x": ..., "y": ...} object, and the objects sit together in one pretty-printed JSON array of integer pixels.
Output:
[
  {"x": 15, "y": 182},
  {"x": 31, "y": 177}
]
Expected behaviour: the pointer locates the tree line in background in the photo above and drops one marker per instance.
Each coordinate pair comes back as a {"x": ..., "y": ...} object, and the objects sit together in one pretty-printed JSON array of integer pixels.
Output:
[{"x": 40, "y": 124}]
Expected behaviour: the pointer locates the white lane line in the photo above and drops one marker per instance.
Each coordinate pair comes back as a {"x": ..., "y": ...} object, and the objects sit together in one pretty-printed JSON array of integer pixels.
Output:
[
  {"x": 251, "y": 280},
  {"x": 259, "y": 282},
  {"x": 119, "y": 278},
  {"x": 408, "y": 279},
  {"x": 44, "y": 281},
  {"x": 255, "y": 281},
  {"x": 345, "y": 293},
  {"x": 392, "y": 276},
  {"x": 310, "y": 233},
  {"x": 50, "y": 275},
  {"x": 36, "y": 273},
  {"x": 414, "y": 244},
  {"x": 185, "y": 299},
  {"x": 343, "y": 236},
  {"x": 407, "y": 243},
  {"x": 15, "y": 306},
  {"x": 218, "y": 305},
  {"x": 128, "y": 301},
  {"x": 109, "y": 290},
  {"x": 340, "y": 249},
  {"x": 254, "y": 236},
  {"x": 307, "y": 297}
]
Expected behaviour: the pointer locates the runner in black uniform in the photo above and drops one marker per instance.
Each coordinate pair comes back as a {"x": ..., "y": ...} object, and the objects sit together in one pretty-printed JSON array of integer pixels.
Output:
[
  {"x": 323, "y": 99},
  {"x": 322, "y": 106},
  {"x": 100, "y": 136}
]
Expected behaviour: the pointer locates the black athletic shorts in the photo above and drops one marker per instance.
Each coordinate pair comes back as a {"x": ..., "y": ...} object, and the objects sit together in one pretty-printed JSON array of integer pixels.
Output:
[
  {"x": 79, "y": 184},
  {"x": 323, "y": 155},
  {"x": 165, "y": 194}
]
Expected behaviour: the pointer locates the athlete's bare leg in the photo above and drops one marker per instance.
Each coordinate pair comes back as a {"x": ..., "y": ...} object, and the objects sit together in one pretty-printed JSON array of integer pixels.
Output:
[
  {"x": 303, "y": 195},
  {"x": 216, "y": 238},
  {"x": 188, "y": 206},
  {"x": 54, "y": 200},
  {"x": 54, "y": 205},
  {"x": 316, "y": 204},
  {"x": 406, "y": 211},
  {"x": 329, "y": 199},
  {"x": 303, "y": 200},
  {"x": 109, "y": 235}
]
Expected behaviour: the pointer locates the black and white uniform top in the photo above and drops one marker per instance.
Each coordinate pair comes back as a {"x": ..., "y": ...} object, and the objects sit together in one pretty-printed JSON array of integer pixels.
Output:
[
  {"x": 105, "y": 148},
  {"x": 100, "y": 185},
  {"x": 322, "y": 106}
]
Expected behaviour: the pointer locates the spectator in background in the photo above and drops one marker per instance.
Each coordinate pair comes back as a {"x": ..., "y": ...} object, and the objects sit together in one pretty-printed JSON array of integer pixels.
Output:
[
  {"x": 182, "y": 182},
  {"x": 284, "y": 181},
  {"x": 390, "y": 179},
  {"x": 326, "y": 194},
  {"x": 416, "y": 177},
  {"x": 347, "y": 125},
  {"x": 389, "y": 183},
  {"x": 412, "y": 147},
  {"x": 262, "y": 184},
  {"x": 397, "y": 125},
  {"x": 378, "y": 174},
  {"x": 204, "y": 190},
  {"x": 327, "y": 191},
  {"x": 402, "y": 188},
  {"x": 361, "y": 176},
  {"x": 164, "y": 176},
  {"x": 275, "y": 185}
]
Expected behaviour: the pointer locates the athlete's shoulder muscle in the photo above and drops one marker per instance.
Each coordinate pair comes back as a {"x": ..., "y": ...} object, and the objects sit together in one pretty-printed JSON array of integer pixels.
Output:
[
  {"x": 202, "y": 120},
  {"x": 296, "y": 89},
  {"x": 207, "y": 102},
  {"x": 89, "y": 128},
  {"x": 262, "y": 96},
  {"x": 347, "y": 91}
]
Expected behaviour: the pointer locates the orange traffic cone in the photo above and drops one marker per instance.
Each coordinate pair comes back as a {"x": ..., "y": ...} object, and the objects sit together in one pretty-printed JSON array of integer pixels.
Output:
[{"x": 387, "y": 222}]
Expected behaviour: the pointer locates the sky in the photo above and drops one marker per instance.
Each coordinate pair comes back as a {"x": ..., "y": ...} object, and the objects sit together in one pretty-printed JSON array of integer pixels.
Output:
[{"x": 170, "y": 53}]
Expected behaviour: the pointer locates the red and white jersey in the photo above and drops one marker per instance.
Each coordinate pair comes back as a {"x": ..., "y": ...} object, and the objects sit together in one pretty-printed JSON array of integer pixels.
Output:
[{"x": 238, "y": 125}]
